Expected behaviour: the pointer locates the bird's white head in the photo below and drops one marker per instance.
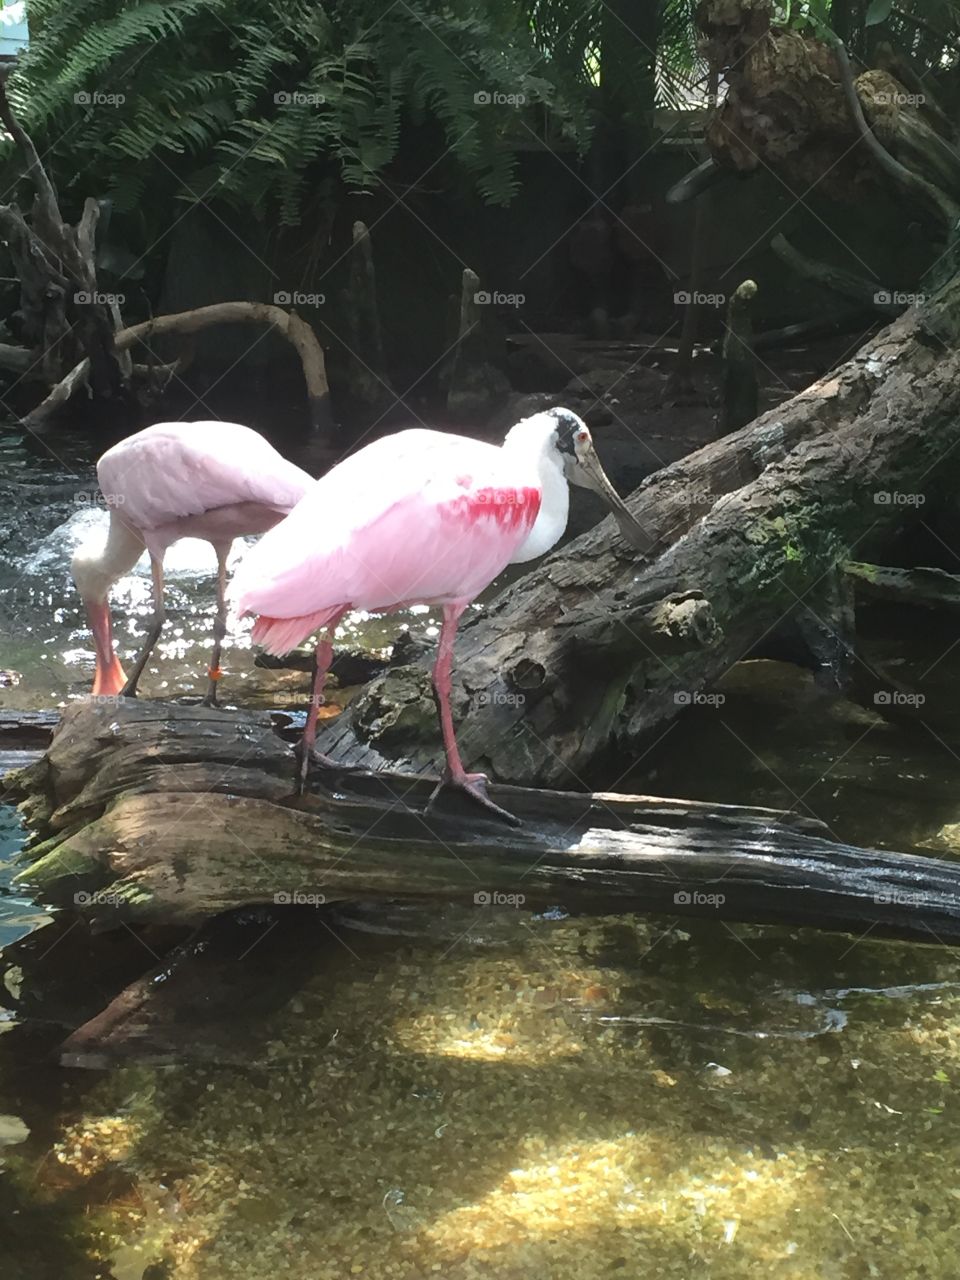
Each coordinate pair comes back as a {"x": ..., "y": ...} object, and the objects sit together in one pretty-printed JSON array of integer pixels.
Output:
[{"x": 561, "y": 437}]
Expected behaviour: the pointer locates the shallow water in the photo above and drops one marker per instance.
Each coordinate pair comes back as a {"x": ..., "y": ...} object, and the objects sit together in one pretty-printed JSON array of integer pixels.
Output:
[
  {"x": 50, "y": 505},
  {"x": 481, "y": 1092}
]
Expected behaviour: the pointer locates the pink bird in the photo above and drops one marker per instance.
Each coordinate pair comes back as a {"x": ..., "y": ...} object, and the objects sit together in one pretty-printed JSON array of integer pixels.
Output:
[
  {"x": 420, "y": 517},
  {"x": 211, "y": 480}
]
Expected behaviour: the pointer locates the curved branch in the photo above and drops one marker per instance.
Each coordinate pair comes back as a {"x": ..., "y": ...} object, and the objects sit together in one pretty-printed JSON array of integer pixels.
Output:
[
  {"x": 913, "y": 182},
  {"x": 836, "y": 279},
  {"x": 293, "y": 327},
  {"x": 707, "y": 174}
]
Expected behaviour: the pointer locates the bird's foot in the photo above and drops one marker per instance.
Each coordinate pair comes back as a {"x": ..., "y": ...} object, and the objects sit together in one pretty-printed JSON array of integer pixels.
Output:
[
  {"x": 306, "y": 757},
  {"x": 475, "y": 786},
  {"x": 211, "y": 696}
]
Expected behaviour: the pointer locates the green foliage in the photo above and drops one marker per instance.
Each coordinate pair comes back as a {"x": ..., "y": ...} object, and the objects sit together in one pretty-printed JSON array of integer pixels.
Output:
[
  {"x": 252, "y": 102},
  {"x": 681, "y": 71}
]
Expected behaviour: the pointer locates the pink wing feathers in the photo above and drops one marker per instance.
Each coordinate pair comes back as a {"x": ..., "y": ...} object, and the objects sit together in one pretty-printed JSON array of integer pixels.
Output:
[
  {"x": 178, "y": 469},
  {"x": 418, "y": 516}
]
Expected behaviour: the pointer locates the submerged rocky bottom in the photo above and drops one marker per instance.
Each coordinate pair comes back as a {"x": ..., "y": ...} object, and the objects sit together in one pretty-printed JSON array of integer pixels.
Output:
[{"x": 512, "y": 1096}]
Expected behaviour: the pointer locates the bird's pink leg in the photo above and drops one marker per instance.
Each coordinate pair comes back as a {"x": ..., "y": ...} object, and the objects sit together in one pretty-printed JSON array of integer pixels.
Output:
[
  {"x": 220, "y": 624},
  {"x": 305, "y": 751},
  {"x": 129, "y": 690},
  {"x": 454, "y": 775}
]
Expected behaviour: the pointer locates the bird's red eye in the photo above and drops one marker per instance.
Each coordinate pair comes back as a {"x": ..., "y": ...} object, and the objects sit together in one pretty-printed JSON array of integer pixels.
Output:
[{"x": 583, "y": 436}]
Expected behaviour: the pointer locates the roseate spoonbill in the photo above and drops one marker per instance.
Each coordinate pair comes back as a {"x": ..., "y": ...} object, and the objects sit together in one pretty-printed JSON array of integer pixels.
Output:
[
  {"x": 419, "y": 517},
  {"x": 211, "y": 480}
]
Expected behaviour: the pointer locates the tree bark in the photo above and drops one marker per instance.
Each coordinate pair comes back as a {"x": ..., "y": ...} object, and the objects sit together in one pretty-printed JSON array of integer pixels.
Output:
[{"x": 593, "y": 651}]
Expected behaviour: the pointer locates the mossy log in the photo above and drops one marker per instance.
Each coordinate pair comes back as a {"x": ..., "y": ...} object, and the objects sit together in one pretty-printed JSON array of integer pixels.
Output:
[
  {"x": 155, "y": 814},
  {"x": 928, "y": 588},
  {"x": 593, "y": 653}
]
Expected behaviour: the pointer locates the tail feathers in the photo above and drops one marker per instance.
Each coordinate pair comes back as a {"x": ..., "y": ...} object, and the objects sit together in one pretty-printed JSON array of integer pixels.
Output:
[{"x": 280, "y": 635}]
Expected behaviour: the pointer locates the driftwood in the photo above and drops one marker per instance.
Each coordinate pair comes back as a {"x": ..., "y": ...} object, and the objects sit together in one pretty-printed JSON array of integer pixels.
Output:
[
  {"x": 177, "y": 830},
  {"x": 295, "y": 329},
  {"x": 165, "y": 814}
]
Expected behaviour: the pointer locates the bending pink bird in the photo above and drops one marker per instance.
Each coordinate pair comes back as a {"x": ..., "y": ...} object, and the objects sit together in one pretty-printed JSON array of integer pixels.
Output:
[
  {"x": 419, "y": 517},
  {"x": 211, "y": 480}
]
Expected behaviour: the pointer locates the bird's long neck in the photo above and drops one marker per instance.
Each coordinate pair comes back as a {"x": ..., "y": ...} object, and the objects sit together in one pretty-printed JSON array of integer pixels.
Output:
[{"x": 551, "y": 519}]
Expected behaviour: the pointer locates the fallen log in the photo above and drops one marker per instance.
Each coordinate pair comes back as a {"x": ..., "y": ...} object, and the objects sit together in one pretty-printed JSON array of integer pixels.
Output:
[{"x": 164, "y": 814}]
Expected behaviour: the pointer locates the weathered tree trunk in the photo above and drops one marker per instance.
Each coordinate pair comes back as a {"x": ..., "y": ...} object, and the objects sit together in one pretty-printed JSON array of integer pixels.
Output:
[
  {"x": 593, "y": 649},
  {"x": 160, "y": 814}
]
